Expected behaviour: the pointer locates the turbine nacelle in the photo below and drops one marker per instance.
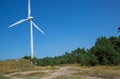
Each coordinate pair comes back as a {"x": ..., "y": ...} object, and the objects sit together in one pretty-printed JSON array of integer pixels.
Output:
[{"x": 30, "y": 18}]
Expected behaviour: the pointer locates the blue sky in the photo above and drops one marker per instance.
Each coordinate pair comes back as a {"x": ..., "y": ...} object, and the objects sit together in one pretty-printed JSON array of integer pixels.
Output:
[{"x": 68, "y": 24}]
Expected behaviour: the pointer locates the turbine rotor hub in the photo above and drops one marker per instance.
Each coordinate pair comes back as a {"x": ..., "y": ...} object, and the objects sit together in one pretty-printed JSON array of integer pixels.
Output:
[{"x": 30, "y": 18}]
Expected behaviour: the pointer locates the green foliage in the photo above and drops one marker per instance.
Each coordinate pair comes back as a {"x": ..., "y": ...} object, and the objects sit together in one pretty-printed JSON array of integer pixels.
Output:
[
  {"x": 93, "y": 60},
  {"x": 118, "y": 29},
  {"x": 85, "y": 59},
  {"x": 106, "y": 51}
]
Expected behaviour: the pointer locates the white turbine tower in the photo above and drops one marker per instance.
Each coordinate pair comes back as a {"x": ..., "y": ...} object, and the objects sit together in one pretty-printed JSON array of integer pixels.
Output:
[{"x": 29, "y": 18}]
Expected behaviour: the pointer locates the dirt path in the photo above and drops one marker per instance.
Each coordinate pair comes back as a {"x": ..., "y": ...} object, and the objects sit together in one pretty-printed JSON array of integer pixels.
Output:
[
  {"x": 59, "y": 72},
  {"x": 65, "y": 71}
]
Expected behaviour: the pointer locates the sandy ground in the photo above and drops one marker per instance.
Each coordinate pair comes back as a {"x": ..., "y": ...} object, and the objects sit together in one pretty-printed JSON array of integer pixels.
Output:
[
  {"x": 60, "y": 72},
  {"x": 51, "y": 74}
]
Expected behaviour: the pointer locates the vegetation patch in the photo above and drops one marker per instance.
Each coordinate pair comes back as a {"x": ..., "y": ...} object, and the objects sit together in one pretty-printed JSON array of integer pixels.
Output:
[
  {"x": 35, "y": 75},
  {"x": 69, "y": 77},
  {"x": 106, "y": 51},
  {"x": 47, "y": 67},
  {"x": 11, "y": 66},
  {"x": 3, "y": 77},
  {"x": 97, "y": 71},
  {"x": 75, "y": 77}
]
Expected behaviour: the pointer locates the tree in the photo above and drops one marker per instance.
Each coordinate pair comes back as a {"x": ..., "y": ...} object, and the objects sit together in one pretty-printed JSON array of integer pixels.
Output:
[
  {"x": 104, "y": 51},
  {"x": 116, "y": 43},
  {"x": 26, "y": 57},
  {"x": 118, "y": 29},
  {"x": 84, "y": 57},
  {"x": 93, "y": 61}
]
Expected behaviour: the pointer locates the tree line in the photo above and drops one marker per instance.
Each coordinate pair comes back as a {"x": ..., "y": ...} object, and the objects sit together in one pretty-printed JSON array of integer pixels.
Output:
[{"x": 106, "y": 51}]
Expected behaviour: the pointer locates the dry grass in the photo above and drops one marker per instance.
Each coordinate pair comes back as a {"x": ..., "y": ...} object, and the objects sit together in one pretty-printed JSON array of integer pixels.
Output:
[
  {"x": 10, "y": 66},
  {"x": 97, "y": 71},
  {"x": 75, "y": 77},
  {"x": 3, "y": 77},
  {"x": 22, "y": 69},
  {"x": 47, "y": 67},
  {"x": 79, "y": 72},
  {"x": 35, "y": 75}
]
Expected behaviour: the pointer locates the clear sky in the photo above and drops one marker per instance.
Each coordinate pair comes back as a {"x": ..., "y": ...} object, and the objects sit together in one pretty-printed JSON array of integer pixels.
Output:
[{"x": 68, "y": 24}]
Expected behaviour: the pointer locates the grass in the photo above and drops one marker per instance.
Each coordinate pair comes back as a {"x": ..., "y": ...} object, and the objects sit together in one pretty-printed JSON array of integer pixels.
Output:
[
  {"x": 35, "y": 75},
  {"x": 73, "y": 77},
  {"x": 3, "y": 77},
  {"x": 79, "y": 72},
  {"x": 47, "y": 67},
  {"x": 10, "y": 66},
  {"x": 97, "y": 71},
  {"x": 102, "y": 71},
  {"x": 68, "y": 77}
]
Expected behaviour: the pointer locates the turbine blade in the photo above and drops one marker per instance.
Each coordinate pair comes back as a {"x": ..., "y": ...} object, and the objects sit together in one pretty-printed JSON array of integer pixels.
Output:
[
  {"x": 37, "y": 27},
  {"x": 29, "y": 8},
  {"x": 19, "y": 22}
]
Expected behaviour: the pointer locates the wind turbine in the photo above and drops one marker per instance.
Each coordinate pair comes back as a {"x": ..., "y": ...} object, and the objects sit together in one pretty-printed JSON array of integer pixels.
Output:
[{"x": 29, "y": 18}]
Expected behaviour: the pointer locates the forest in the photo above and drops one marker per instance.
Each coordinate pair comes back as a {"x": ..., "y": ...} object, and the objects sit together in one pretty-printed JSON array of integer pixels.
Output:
[{"x": 106, "y": 51}]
